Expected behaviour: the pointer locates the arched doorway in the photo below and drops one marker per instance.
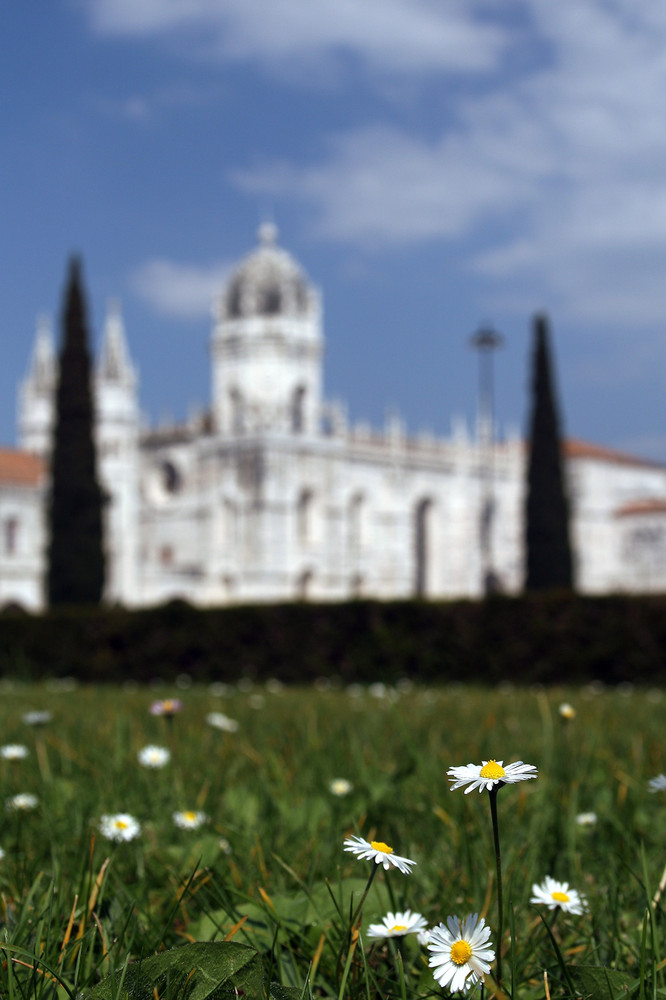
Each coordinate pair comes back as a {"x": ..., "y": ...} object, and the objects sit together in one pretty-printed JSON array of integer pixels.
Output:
[{"x": 422, "y": 547}]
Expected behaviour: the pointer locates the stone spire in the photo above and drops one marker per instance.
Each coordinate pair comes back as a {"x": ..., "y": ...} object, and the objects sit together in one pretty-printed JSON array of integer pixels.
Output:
[
  {"x": 36, "y": 393},
  {"x": 114, "y": 364},
  {"x": 43, "y": 365}
]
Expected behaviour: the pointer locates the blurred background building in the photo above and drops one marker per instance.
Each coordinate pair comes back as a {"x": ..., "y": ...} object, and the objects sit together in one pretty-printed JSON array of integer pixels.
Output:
[{"x": 271, "y": 495}]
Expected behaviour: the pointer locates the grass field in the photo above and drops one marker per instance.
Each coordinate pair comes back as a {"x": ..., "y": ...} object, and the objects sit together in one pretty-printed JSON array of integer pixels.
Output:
[{"x": 266, "y": 869}]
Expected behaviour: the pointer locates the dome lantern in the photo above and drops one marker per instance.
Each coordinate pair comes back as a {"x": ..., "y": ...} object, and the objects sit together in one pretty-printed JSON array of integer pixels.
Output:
[{"x": 268, "y": 282}]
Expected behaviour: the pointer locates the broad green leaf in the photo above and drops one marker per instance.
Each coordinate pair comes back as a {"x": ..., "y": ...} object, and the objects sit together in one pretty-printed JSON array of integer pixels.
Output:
[
  {"x": 600, "y": 983},
  {"x": 279, "y": 992},
  {"x": 298, "y": 913},
  {"x": 199, "y": 971},
  {"x": 129, "y": 984}
]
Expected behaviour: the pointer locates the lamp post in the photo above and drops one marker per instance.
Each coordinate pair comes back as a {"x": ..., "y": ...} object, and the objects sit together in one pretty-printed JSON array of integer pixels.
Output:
[{"x": 486, "y": 341}]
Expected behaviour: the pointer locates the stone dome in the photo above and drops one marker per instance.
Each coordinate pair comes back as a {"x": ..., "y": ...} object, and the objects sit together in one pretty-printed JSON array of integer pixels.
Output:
[{"x": 268, "y": 282}]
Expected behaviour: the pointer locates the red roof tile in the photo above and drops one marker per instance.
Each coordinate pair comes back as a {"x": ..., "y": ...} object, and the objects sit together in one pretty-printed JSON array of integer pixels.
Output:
[
  {"x": 20, "y": 467},
  {"x": 650, "y": 505}
]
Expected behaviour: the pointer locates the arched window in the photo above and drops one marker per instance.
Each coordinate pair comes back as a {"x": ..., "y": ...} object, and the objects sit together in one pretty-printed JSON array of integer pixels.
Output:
[
  {"x": 355, "y": 523},
  {"x": 304, "y": 585},
  {"x": 304, "y": 516},
  {"x": 11, "y": 530},
  {"x": 422, "y": 547},
  {"x": 297, "y": 415},
  {"x": 172, "y": 480}
]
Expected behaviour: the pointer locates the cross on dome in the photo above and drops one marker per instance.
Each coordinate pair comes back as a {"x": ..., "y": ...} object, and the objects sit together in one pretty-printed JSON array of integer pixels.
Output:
[{"x": 267, "y": 234}]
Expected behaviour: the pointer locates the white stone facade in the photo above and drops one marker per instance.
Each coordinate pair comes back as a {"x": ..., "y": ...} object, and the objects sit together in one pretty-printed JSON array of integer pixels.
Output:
[
  {"x": 22, "y": 536},
  {"x": 271, "y": 496}
]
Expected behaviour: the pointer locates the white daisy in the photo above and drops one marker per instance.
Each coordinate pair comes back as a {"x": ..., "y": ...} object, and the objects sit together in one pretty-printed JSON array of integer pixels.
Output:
[
  {"x": 189, "y": 820},
  {"x": 397, "y": 925},
  {"x": 166, "y": 706},
  {"x": 586, "y": 819},
  {"x": 658, "y": 784},
  {"x": 567, "y": 711},
  {"x": 553, "y": 894},
  {"x": 218, "y": 720},
  {"x": 13, "y": 751},
  {"x": 23, "y": 802},
  {"x": 2, "y": 854},
  {"x": 37, "y": 718},
  {"x": 153, "y": 756},
  {"x": 423, "y": 937},
  {"x": 218, "y": 689},
  {"x": 379, "y": 852},
  {"x": 489, "y": 773},
  {"x": 460, "y": 952},
  {"x": 119, "y": 826},
  {"x": 340, "y": 787}
]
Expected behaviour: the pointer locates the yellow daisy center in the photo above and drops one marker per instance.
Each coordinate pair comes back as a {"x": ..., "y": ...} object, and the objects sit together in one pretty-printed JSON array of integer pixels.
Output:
[
  {"x": 460, "y": 952},
  {"x": 492, "y": 770},
  {"x": 121, "y": 824},
  {"x": 379, "y": 845},
  {"x": 189, "y": 815},
  {"x": 560, "y": 897},
  {"x": 397, "y": 928}
]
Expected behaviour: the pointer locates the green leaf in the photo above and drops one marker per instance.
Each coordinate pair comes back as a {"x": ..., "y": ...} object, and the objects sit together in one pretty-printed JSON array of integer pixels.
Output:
[
  {"x": 279, "y": 992},
  {"x": 127, "y": 984},
  {"x": 298, "y": 913},
  {"x": 199, "y": 971},
  {"x": 601, "y": 983}
]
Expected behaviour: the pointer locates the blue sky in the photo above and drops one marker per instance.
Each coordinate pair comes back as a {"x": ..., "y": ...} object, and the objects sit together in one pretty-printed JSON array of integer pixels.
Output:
[{"x": 433, "y": 165}]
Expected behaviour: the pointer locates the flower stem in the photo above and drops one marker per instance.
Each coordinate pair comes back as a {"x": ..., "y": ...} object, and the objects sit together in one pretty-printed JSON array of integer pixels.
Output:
[
  {"x": 359, "y": 908},
  {"x": 354, "y": 933},
  {"x": 492, "y": 794}
]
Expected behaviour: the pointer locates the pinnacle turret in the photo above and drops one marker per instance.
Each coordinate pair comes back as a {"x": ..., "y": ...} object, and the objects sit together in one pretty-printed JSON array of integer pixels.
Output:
[
  {"x": 114, "y": 362},
  {"x": 43, "y": 365},
  {"x": 36, "y": 394}
]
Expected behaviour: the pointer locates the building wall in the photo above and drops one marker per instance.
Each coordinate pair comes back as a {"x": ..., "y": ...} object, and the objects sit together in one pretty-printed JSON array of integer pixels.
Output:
[
  {"x": 276, "y": 517},
  {"x": 599, "y": 489},
  {"x": 274, "y": 497},
  {"x": 22, "y": 545}
]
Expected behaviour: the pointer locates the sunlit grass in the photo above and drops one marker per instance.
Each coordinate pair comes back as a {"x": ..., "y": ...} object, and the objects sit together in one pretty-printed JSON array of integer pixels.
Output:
[{"x": 273, "y": 832}]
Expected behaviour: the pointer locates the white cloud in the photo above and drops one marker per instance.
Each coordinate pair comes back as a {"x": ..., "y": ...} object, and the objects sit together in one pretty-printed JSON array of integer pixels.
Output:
[
  {"x": 555, "y": 176},
  {"x": 179, "y": 290},
  {"x": 549, "y": 171},
  {"x": 156, "y": 103},
  {"x": 383, "y": 186},
  {"x": 407, "y": 36}
]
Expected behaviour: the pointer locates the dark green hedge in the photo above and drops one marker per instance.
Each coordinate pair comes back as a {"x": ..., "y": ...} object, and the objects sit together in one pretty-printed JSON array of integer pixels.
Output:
[{"x": 546, "y": 638}]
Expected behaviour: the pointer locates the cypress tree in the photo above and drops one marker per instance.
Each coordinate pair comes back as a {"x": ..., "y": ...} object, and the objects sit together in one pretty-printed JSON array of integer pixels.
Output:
[
  {"x": 547, "y": 543},
  {"x": 76, "y": 562}
]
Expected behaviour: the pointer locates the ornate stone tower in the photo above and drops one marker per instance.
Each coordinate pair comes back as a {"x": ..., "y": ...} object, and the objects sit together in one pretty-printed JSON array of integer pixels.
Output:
[
  {"x": 117, "y": 434},
  {"x": 267, "y": 346},
  {"x": 37, "y": 393}
]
